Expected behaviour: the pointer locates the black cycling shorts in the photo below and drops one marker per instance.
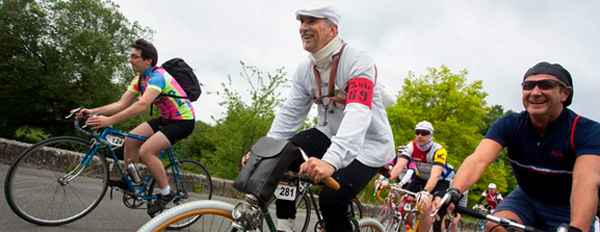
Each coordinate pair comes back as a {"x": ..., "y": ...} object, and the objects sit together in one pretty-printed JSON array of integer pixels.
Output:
[
  {"x": 174, "y": 130},
  {"x": 418, "y": 184}
]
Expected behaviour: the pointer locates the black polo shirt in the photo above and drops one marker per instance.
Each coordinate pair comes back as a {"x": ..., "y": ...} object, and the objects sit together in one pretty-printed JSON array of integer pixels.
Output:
[{"x": 544, "y": 165}]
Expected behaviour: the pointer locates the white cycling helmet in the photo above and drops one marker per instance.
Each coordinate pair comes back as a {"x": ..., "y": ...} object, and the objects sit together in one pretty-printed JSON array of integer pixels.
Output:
[
  {"x": 492, "y": 186},
  {"x": 424, "y": 125}
]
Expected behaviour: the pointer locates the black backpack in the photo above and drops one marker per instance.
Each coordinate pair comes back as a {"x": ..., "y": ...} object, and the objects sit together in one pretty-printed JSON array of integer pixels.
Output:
[{"x": 184, "y": 74}]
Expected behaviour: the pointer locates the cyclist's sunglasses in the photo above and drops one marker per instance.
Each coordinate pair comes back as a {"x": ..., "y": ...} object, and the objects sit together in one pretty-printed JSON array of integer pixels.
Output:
[
  {"x": 422, "y": 132},
  {"x": 543, "y": 84}
]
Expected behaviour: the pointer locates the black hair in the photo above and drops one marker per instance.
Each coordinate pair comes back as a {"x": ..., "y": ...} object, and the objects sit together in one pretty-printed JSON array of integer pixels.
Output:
[{"x": 148, "y": 50}]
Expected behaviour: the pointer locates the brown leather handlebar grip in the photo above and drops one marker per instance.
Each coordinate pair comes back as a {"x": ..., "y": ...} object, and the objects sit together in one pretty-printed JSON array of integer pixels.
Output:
[{"x": 330, "y": 182}]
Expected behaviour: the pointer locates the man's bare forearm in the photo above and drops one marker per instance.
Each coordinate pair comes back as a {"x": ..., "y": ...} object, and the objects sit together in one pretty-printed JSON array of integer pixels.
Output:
[{"x": 584, "y": 191}]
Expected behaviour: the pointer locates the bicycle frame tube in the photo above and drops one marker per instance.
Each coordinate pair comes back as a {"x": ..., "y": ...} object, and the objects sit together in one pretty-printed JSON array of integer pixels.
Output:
[
  {"x": 102, "y": 141},
  {"x": 265, "y": 211}
]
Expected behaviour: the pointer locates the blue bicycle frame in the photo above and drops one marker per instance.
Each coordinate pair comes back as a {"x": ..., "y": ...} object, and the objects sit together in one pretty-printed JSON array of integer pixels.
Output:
[{"x": 100, "y": 139}]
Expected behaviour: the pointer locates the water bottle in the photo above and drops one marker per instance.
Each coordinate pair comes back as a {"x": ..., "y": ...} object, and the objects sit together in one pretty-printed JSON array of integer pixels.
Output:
[{"x": 132, "y": 170}]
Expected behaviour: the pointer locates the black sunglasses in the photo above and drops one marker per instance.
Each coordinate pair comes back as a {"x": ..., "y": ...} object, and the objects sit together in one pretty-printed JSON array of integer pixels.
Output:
[
  {"x": 422, "y": 132},
  {"x": 543, "y": 84}
]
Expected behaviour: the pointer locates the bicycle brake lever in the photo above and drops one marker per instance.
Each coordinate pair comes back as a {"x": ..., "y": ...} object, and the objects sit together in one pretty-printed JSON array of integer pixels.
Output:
[
  {"x": 73, "y": 112},
  {"x": 442, "y": 202},
  {"x": 304, "y": 156}
]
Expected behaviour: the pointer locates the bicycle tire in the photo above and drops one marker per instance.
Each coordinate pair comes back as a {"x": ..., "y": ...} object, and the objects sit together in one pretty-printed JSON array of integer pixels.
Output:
[
  {"x": 356, "y": 207},
  {"x": 480, "y": 226},
  {"x": 393, "y": 222},
  {"x": 449, "y": 225},
  {"x": 217, "y": 213},
  {"x": 47, "y": 201},
  {"x": 197, "y": 185},
  {"x": 460, "y": 226},
  {"x": 369, "y": 224},
  {"x": 385, "y": 209},
  {"x": 304, "y": 202}
]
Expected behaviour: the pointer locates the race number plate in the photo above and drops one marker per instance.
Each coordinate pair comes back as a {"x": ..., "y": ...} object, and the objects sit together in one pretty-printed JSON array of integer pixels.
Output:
[
  {"x": 115, "y": 141},
  {"x": 286, "y": 192}
]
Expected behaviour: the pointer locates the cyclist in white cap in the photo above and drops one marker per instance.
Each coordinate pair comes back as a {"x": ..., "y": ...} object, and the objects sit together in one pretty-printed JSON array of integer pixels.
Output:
[
  {"x": 353, "y": 134},
  {"x": 492, "y": 196},
  {"x": 430, "y": 160}
]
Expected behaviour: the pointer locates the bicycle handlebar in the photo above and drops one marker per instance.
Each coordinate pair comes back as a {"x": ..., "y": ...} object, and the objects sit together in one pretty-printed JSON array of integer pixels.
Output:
[
  {"x": 504, "y": 222},
  {"x": 500, "y": 221},
  {"x": 77, "y": 122},
  {"x": 399, "y": 189},
  {"x": 329, "y": 181}
]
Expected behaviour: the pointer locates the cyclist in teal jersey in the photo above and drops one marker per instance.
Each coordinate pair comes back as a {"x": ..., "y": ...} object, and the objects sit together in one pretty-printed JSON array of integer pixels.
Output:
[{"x": 176, "y": 122}]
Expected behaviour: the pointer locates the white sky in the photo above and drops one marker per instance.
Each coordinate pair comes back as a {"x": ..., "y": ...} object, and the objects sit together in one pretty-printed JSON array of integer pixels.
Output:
[{"x": 496, "y": 41}]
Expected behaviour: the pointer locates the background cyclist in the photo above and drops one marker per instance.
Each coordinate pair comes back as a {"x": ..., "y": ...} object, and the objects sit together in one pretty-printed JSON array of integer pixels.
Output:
[
  {"x": 176, "y": 123},
  {"x": 430, "y": 161},
  {"x": 492, "y": 197}
]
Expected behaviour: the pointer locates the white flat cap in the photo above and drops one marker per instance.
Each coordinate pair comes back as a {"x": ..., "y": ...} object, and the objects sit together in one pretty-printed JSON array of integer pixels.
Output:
[{"x": 321, "y": 10}]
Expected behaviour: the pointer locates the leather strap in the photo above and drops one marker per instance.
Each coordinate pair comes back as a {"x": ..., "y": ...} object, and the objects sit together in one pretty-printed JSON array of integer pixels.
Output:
[{"x": 334, "y": 67}]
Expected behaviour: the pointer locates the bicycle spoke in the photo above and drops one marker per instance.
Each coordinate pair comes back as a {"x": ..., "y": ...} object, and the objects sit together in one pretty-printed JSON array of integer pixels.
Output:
[{"x": 35, "y": 192}]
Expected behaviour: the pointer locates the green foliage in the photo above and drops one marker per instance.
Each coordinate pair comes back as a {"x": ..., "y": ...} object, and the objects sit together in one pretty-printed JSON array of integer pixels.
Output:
[
  {"x": 223, "y": 145},
  {"x": 453, "y": 106},
  {"x": 459, "y": 114},
  {"x": 58, "y": 55},
  {"x": 30, "y": 135}
]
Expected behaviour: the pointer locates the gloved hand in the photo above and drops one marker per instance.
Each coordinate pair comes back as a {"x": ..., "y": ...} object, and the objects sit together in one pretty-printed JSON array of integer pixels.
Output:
[
  {"x": 385, "y": 183},
  {"x": 455, "y": 195},
  {"x": 423, "y": 196},
  {"x": 401, "y": 149},
  {"x": 479, "y": 208}
]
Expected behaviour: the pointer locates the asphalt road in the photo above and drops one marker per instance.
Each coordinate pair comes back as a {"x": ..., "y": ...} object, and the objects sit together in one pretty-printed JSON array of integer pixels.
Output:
[{"x": 109, "y": 215}]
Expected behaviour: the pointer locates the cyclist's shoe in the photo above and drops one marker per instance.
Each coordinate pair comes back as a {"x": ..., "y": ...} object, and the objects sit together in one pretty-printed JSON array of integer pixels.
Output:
[
  {"x": 160, "y": 203},
  {"x": 118, "y": 184}
]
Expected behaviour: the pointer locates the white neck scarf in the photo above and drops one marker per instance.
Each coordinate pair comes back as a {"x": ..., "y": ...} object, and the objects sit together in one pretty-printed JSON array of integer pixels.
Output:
[
  {"x": 425, "y": 147},
  {"x": 322, "y": 58}
]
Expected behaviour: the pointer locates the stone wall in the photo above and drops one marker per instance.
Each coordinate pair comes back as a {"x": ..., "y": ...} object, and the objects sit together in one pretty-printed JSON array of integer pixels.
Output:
[{"x": 11, "y": 150}]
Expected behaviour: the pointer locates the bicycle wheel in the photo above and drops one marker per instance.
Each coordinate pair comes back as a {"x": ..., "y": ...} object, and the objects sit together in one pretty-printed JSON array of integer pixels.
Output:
[
  {"x": 193, "y": 184},
  {"x": 303, "y": 207},
  {"x": 47, "y": 185},
  {"x": 356, "y": 208},
  {"x": 369, "y": 224},
  {"x": 480, "y": 226},
  {"x": 393, "y": 222},
  {"x": 459, "y": 228},
  {"x": 211, "y": 216},
  {"x": 384, "y": 209}
]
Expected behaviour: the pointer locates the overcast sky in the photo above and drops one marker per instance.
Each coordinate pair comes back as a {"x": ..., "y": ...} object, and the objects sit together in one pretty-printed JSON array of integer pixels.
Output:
[{"x": 496, "y": 41}]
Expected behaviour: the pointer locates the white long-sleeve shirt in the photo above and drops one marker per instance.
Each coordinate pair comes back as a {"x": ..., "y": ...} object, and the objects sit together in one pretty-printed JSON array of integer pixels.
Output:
[{"x": 356, "y": 131}]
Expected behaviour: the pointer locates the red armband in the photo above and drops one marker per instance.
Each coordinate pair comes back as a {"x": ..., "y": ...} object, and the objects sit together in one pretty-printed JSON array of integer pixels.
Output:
[{"x": 360, "y": 90}]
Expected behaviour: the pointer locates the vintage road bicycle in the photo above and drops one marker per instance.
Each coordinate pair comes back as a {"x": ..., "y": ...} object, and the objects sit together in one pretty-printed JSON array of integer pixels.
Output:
[
  {"x": 248, "y": 215},
  {"x": 62, "y": 179}
]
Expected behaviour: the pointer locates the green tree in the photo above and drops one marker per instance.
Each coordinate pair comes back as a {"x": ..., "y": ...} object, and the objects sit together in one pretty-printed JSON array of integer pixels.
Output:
[
  {"x": 223, "y": 145},
  {"x": 453, "y": 106},
  {"x": 57, "y": 55},
  {"x": 493, "y": 113},
  {"x": 457, "y": 109}
]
